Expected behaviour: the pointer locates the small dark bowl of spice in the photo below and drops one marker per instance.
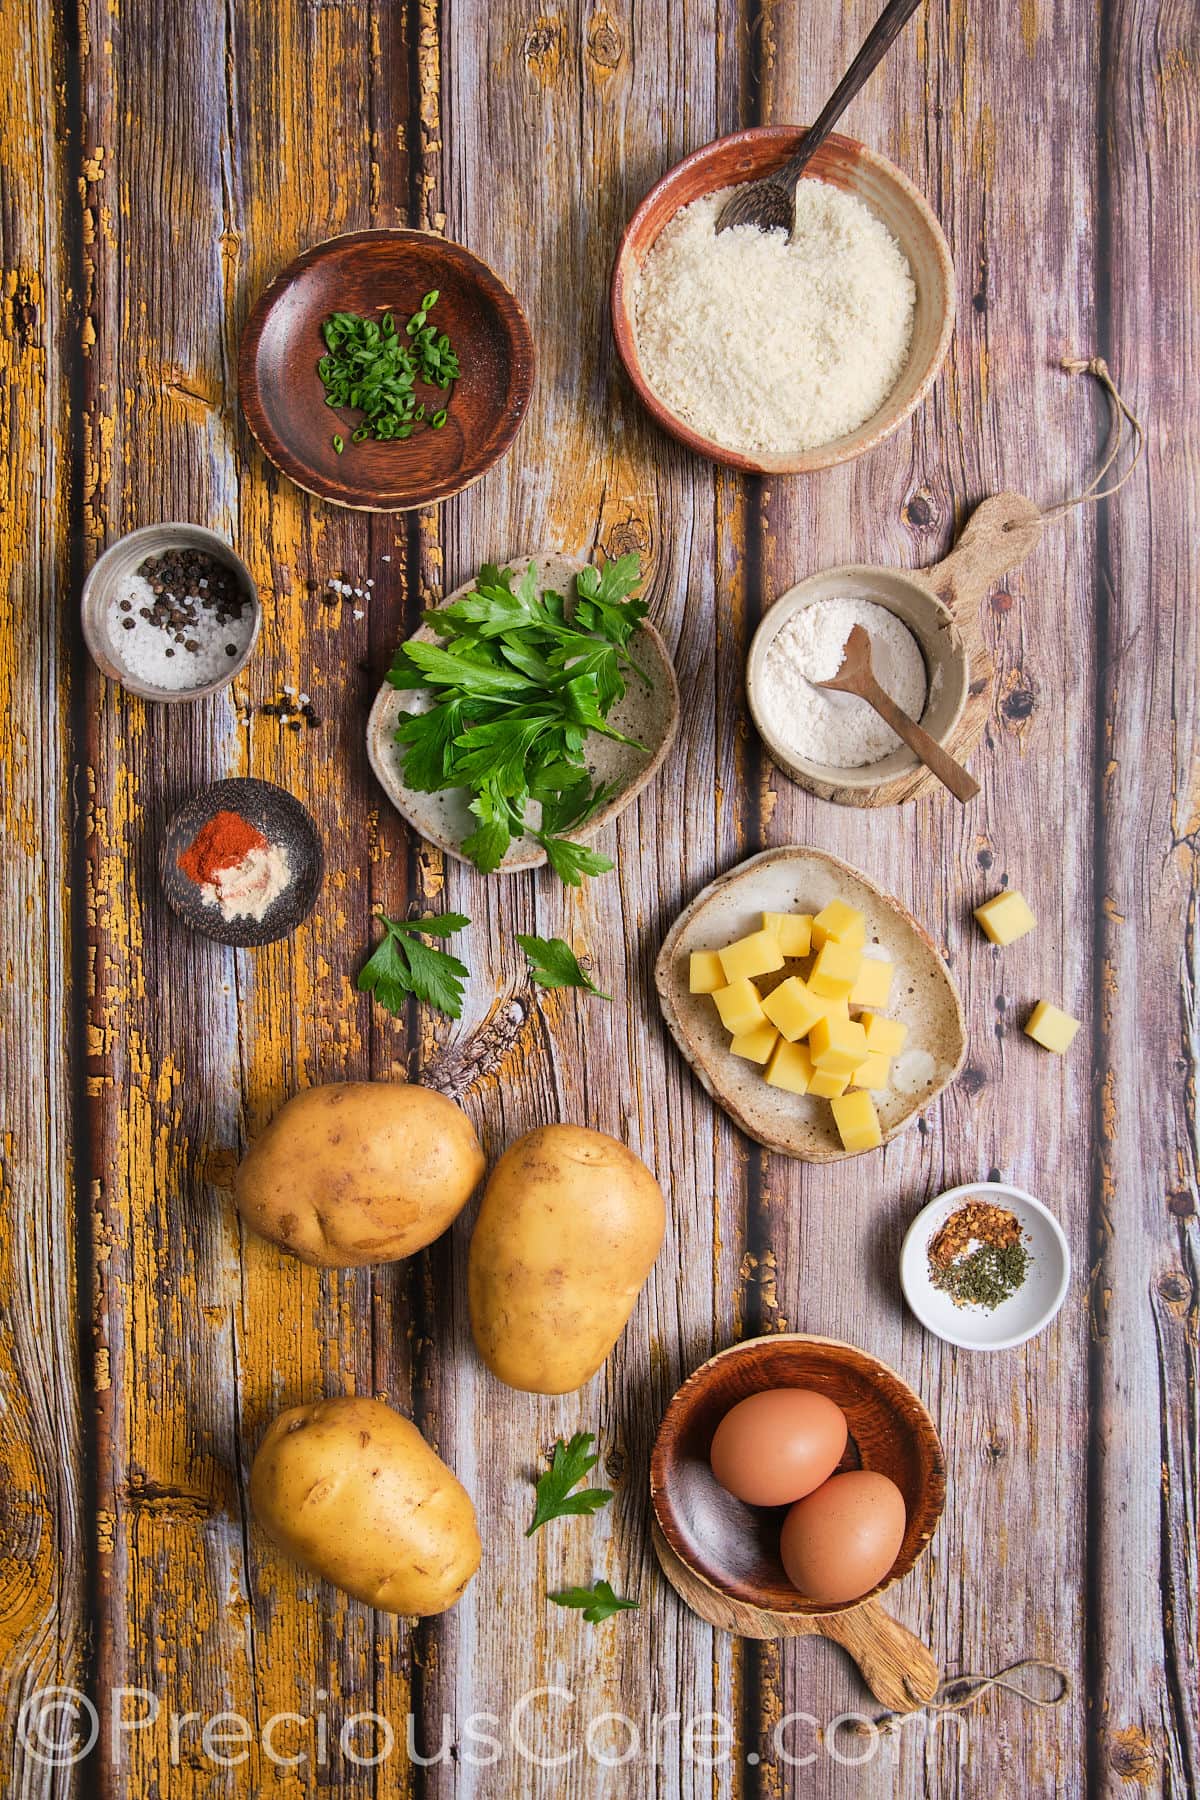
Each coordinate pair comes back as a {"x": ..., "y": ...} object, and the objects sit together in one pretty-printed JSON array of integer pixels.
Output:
[
  {"x": 985, "y": 1266},
  {"x": 242, "y": 862},
  {"x": 171, "y": 612}
]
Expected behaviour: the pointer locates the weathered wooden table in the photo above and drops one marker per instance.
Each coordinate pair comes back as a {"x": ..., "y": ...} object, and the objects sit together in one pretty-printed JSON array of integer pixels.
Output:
[{"x": 159, "y": 163}]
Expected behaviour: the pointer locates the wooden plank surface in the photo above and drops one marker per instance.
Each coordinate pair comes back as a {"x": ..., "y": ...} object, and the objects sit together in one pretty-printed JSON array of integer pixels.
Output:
[{"x": 158, "y": 166}]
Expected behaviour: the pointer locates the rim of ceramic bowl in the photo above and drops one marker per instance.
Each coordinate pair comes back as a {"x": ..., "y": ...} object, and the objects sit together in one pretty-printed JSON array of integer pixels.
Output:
[
  {"x": 93, "y": 605},
  {"x": 897, "y": 763},
  {"x": 621, "y": 307},
  {"x": 917, "y": 1234}
]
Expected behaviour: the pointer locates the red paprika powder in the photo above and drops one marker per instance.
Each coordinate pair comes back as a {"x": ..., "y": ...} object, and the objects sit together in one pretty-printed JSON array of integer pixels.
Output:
[{"x": 221, "y": 843}]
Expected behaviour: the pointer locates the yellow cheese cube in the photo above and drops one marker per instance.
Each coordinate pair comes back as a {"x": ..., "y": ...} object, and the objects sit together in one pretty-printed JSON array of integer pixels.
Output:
[
  {"x": 885, "y": 1035},
  {"x": 755, "y": 1045},
  {"x": 1050, "y": 1027},
  {"x": 826, "y": 1084},
  {"x": 740, "y": 1007},
  {"x": 837, "y": 1048},
  {"x": 794, "y": 931},
  {"x": 790, "y": 1067},
  {"x": 758, "y": 954},
  {"x": 792, "y": 1008},
  {"x": 874, "y": 984},
  {"x": 873, "y": 1073},
  {"x": 836, "y": 969},
  {"x": 857, "y": 1121},
  {"x": 840, "y": 924},
  {"x": 1006, "y": 917},
  {"x": 705, "y": 974}
]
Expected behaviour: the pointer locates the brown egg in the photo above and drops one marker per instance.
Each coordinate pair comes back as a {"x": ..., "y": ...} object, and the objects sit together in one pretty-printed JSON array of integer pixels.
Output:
[
  {"x": 777, "y": 1446},
  {"x": 842, "y": 1540}
]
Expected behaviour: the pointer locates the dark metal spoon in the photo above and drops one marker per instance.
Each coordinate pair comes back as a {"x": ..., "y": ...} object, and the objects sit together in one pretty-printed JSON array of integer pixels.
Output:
[
  {"x": 855, "y": 677},
  {"x": 771, "y": 203}
]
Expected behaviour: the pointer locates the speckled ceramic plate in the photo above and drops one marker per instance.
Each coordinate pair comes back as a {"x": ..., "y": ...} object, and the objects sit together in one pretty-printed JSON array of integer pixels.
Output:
[
  {"x": 282, "y": 820},
  {"x": 651, "y": 715},
  {"x": 801, "y": 879}
]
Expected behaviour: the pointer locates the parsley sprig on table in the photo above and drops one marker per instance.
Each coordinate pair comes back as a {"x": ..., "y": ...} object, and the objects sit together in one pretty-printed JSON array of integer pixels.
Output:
[
  {"x": 373, "y": 367},
  {"x": 597, "y": 1603},
  {"x": 520, "y": 681},
  {"x": 568, "y": 1466},
  {"x": 401, "y": 965},
  {"x": 553, "y": 964}
]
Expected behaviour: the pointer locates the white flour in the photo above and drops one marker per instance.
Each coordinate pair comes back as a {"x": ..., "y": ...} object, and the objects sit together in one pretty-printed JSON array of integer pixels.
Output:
[{"x": 839, "y": 729}]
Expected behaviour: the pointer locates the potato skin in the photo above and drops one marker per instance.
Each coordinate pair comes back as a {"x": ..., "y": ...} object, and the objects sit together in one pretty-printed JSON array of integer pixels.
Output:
[
  {"x": 569, "y": 1227},
  {"x": 350, "y": 1489},
  {"x": 359, "y": 1172}
]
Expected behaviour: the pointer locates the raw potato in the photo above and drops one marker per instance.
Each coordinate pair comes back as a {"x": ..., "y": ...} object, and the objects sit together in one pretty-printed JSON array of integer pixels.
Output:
[
  {"x": 568, "y": 1231},
  {"x": 359, "y": 1172},
  {"x": 352, "y": 1491}
]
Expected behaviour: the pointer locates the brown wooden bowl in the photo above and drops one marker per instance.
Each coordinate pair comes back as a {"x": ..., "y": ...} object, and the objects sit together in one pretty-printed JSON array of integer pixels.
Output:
[
  {"x": 734, "y": 1548},
  {"x": 370, "y": 272},
  {"x": 871, "y": 178}
]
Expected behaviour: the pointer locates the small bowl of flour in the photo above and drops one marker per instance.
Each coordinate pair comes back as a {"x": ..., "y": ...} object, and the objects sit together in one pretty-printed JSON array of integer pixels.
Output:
[{"x": 833, "y": 740}]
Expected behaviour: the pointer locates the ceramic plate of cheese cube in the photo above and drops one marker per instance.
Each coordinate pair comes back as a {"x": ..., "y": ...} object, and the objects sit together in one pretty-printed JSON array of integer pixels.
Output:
[{"x": 920, "y": 1005}]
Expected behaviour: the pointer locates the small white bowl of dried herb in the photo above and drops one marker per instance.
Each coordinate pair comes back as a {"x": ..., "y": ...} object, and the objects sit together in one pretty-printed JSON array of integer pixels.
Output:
[{"x": 985, "y": 1266}]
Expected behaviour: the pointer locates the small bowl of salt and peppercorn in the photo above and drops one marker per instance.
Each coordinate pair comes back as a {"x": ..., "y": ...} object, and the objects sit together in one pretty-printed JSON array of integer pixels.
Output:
[
  {"x": 171, "y": 612},
  {"x": 985, "y": 1266}
]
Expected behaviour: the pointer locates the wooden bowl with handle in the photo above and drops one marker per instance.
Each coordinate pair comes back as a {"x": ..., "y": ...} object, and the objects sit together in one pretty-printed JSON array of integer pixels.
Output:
[{"x": 722, "y": 1556}]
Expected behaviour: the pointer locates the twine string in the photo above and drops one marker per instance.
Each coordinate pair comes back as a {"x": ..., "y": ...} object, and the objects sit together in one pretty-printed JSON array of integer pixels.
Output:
[
  {"x": 960, "y": 1691},
  {"x": 1121, "y": 415}
]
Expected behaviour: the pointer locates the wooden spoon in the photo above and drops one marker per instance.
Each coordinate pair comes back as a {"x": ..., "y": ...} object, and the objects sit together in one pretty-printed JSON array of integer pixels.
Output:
[
  {"x": 855, "y": 677},
  {"x": 771, "y": 204}
]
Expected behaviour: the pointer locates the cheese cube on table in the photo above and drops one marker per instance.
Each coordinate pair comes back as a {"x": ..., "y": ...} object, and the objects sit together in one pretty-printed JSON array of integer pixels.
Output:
[
  {"x": 740, "y": 1007},
  {"x": 840, "y": 924},
  {"x": 1006, "y": 917},
  {"x": 885, "y": 1035},
  {"x": 757, "y": 1044},
  {"x": 705, "y": 974},
  {"x": 836, "y": 969},
  {"x": 873, "y": 1073},
  {"x": 1050, "y": 1027},
  {"x": 790, "y": 1067},
  {"x": 794, "y": 931},
  {"x": 857, "y": 1121},
  {"x": 827, "y": 1085},
  {"x": 874, "y": 984},
  {"x": 758, "y": 954},
  {"x": 837, "y": 1048},
  {"x": 792, "y": 1008}
]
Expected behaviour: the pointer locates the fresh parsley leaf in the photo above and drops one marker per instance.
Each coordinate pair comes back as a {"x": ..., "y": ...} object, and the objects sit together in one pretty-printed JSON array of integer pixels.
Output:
[
  {"x": 553, "y": 964},
  {"x": 569, "y": 1464},
  {"x": 401, "y": 965},
  {"x": 571, "y": 862},
  {"x": 520, "y": 682},
  {"x": 597, "y": 1603}
]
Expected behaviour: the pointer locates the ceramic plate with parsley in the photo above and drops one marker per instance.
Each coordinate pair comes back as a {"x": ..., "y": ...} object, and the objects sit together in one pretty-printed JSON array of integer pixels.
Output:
[{"x": 526, "y": 713}]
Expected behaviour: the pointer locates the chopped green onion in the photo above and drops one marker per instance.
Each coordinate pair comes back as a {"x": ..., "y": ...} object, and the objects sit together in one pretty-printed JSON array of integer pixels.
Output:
[
  {"x": 438, "y": 419},
  {"x": 338, "y": 443}
]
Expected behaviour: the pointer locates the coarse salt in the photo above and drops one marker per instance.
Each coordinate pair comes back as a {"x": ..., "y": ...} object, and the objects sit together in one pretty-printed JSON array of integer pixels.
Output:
[
  {"x": 765, "y": 344},
  {"x": 820, "y": 726}
]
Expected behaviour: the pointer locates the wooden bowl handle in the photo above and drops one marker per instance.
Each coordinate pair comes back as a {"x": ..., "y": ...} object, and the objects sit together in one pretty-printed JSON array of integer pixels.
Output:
[
  {"x": 999, "y": 534},
  {"x": 897, "y": 1667}
]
